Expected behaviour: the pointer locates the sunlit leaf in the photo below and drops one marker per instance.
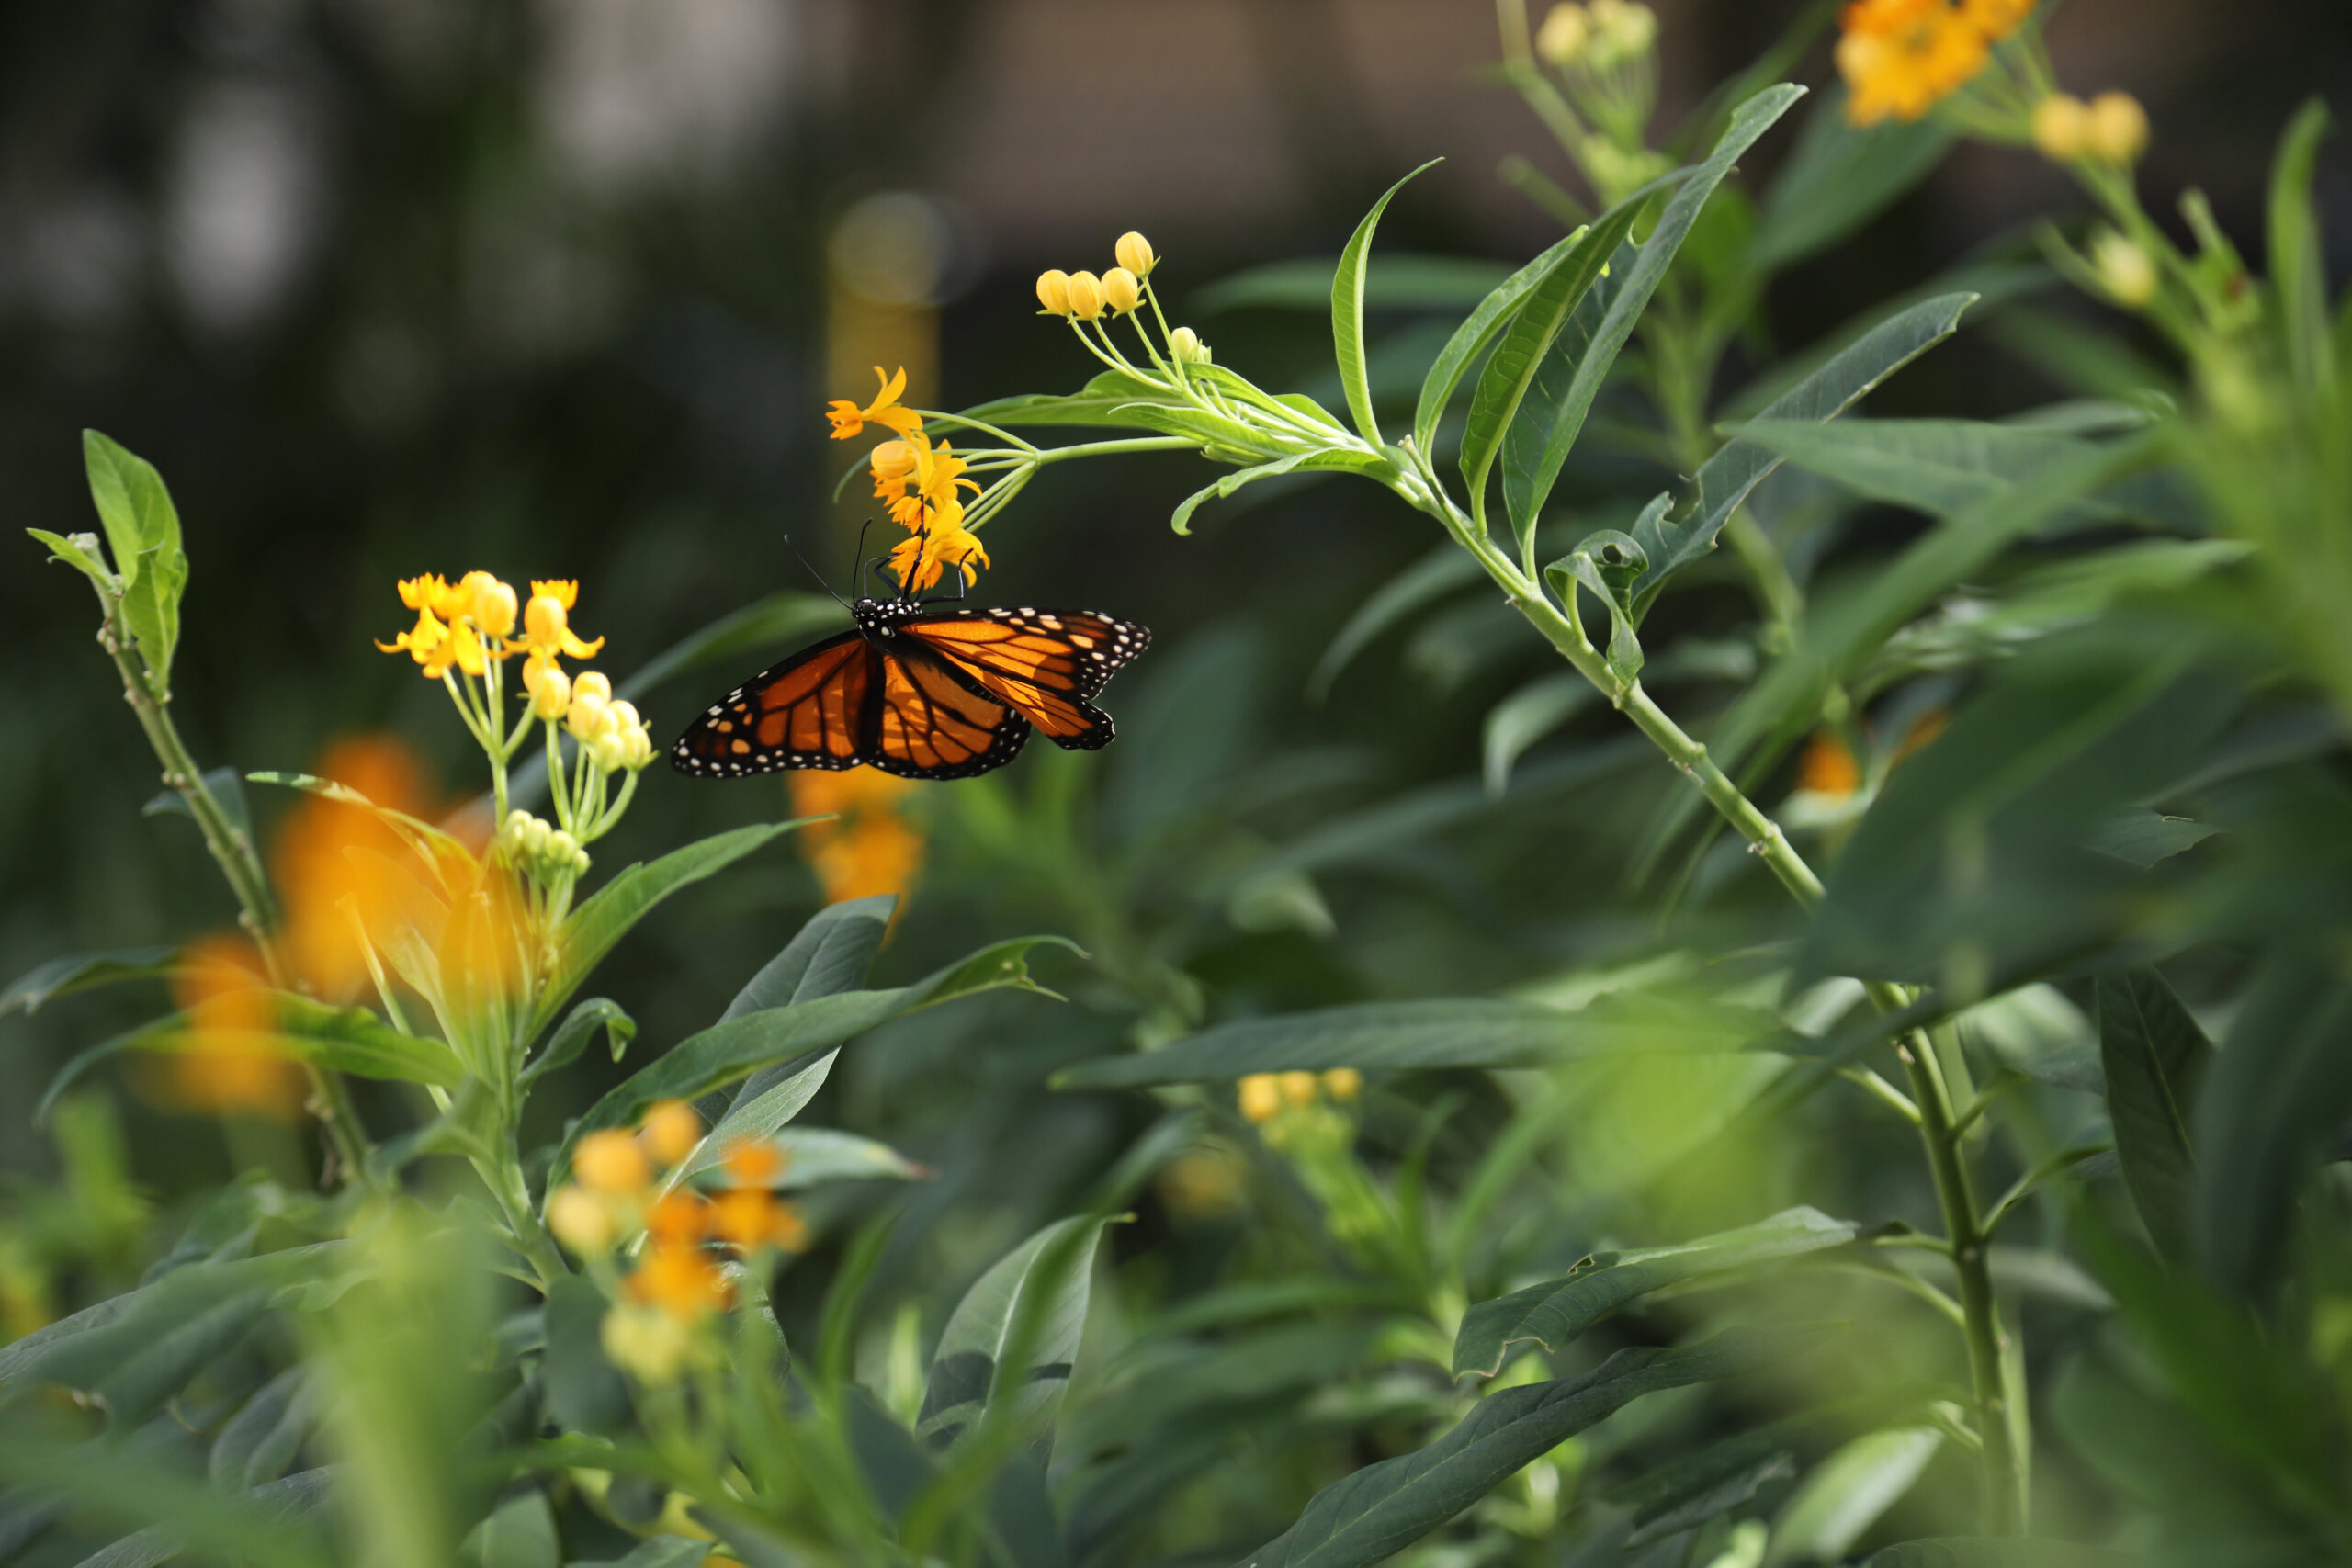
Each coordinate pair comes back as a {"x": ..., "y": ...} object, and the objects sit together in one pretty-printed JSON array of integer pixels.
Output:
[
  {"x": 1348, "y": 288},
  {"x": 968, "y": 1370}
]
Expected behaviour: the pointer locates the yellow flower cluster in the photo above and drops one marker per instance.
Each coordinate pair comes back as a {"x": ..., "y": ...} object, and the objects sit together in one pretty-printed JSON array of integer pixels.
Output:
[
  {"x": 1085, "y": 296},
  {"x": 925, "y": 485},
  {"x": 870, "y": 847},
  {"x": 676, "y": 1282},
  {"x": 612, "y": 735},
  {"x": 1265, "y": 1096},
  {"x": 464, "y": 625},
  {"x": 1901, "y": 58}
]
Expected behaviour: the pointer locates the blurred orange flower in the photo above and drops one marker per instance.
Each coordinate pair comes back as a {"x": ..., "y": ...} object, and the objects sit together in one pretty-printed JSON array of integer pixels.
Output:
[
  {"x": 682, "y": 1280},
  {"x": 871, "y": 848},
  {"x": 1901, "y": 58},
  {"x": 1828, "y": 767},
  {"x": 327, "y": 852},
  {"x": 230, "y": 1061}
]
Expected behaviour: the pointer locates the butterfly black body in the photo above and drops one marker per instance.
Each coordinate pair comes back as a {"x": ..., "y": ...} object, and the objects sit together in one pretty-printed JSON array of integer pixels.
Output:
[{"x": 921, "y": 690}]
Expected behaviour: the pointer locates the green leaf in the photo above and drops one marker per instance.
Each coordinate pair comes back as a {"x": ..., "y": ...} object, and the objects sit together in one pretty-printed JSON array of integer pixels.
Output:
[
  {"x": 596, "y": 925},
  {"x": 1523, "y": 442},
  {"x": 1471, "y": 338},
  {"x": 1837, "y": 637},
  {"x": 585, "y": 1392},
  {"x": 1531, "y": 482},
  {"x": 815, "y": 1155},
  {"x": 1937, "y": 466},
  {"x": 1556, "y": 1311},
  {"x": 1111, "y": 398},
  {"x": 2155, "y": 1056},
  {"x": 1998, "y": 1552},
  {"x": 79, "y": 552},
  {"x": 1404, "y": 282},
  {"x": 797, "y": 1033},
  {"x": 659, "y": 1552},
  {"x": 1221, "y": 439},
  {"x": 1385, "y": 1506},
  {"x": 143, "y": 533},
  {"x": 2298, "y": 270},
  {"x": 1838, "y": 176},
  {"x": 968, "y": 1378},
  {"x": 2274, "y": 1099},
  {"x": 1609, "y": 563},
  {"x": 121, "y": 1486},
  {"x": 1435, "y": 575},
  {"x": 1846, "y": 1492},
  {"x": 826, "y": 957},
  {"x": 578, "y": 1027},
  {"x": 258, "y": 1444},
  {"x": 1520, "y": 355},
  {"x": 1181, "y": 519},
  {"x": 1738, "y": 467},
  {"x": 1347, "y": 313},
  {"x": 100, "y": 1343},
  {"x": 1526, "y": 716},
  {"x": 521, "y": 1534},
  {"x": 82, "y": 972},
  {"x": 1469, "y": 1031},
  {"x": 2138, "y": 836}
]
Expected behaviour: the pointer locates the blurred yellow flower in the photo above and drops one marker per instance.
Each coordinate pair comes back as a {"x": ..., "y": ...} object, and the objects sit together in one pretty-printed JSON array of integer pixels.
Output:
[
  {"x": 331, "y": 861},
  {"x": 849, "y": 420},
  {"x": 682, "y": 1280},
  {"x": 669, "y": 1131},
  {"x": 1260, "y": 1095},
  {"x": 1343, "y": 1084},
  {"x": 646, "y": 1342},
  {"x": 611, "y": 1160},
  {"x": 1298, "y": 1087},
  {"x": 2061, "y": 127},
  {"x": 871, "y": 848},
  {"x": 2115, "y": 128},
  {"x": 1828, "y": 767},
  {"x": 582, "y": 1221}
]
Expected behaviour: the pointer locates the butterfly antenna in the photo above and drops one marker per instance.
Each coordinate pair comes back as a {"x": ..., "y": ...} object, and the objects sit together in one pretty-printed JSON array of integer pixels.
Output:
[
  {"x": 860, "y": 556},
  {"x": 814, "y": 572}
]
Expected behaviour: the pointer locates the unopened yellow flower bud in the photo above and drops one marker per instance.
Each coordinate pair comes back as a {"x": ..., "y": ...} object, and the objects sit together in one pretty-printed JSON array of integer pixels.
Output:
[
  {"x": 588, "y": 713},
  {"x": 669, "y": 1131},
  {"x": 2124, "y": 268},
  {"x": 1298, "y": 1087},
  {"x": 608, "y": 751},
  {"x": 581, "y": 1221},
  {"x": 534, "y": 836},
  {"x": 2062, "y": 127},
  {"x": 893, "y": 461},
  {"x": 1122, "y": 290},
  {"x": 1184, "y": 345},
  {"x": 2118, "y": 131},
  {"x": 545, "y": 619},
  {"x": 550, "y": 691},
  {"x": 1622, "y": 30},
  {"x": 638, "y": 746},
  {"x": 625, "y": 713},
  {"x": 593, "y": 683},
  {"x": 610, "y": 1160},
  {"x": 1085, "y": 296},
  {"x": 488, "y": 603},
  {"x": 1563, "y": 35},
  {"x": 563, "y": 851},
  {"x": 1136, "y": 254},
  {"x": 1053, "y": 293},
  {"x": 1261, "y": 1095},
  {"x": 1344, "y": 1083}
]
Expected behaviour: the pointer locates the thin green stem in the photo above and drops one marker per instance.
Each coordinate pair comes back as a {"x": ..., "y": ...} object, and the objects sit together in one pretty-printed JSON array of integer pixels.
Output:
[{"x": 231, "y": 849}]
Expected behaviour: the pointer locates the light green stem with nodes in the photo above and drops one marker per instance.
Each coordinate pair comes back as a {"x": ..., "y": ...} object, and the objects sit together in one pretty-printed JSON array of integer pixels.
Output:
[{"x": 232, "y": 850}]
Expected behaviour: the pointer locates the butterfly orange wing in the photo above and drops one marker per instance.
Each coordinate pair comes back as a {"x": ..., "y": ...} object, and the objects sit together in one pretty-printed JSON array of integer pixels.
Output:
[
  {"x": 930, "y": 725},
  {"x": 808, "y": 712},
  {"x": 1045, "y": 664}
]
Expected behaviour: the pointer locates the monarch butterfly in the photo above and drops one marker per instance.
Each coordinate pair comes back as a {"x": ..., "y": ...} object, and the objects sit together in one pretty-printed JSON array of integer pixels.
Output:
[{"x": 922, "y": 692}]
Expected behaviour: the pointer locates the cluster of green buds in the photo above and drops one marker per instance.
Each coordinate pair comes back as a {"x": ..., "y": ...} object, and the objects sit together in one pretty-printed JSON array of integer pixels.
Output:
[
  {"x": 537, "y": 849},
  {"x": 612, "y": 741},
  {"x": 1604, "y": 56}
]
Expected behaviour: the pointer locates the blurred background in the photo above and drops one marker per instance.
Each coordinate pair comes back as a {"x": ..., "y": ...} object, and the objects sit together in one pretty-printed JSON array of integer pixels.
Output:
[{"x": 392, "y": 286}]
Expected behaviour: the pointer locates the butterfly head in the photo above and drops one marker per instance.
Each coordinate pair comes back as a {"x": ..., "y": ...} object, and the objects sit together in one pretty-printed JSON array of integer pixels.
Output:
[{"x": 882, "y": 618}]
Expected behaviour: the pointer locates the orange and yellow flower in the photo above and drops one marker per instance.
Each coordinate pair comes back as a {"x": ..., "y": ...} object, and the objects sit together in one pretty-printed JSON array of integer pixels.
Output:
[
  {"x": 1901, "y": 58},
  {"x": 849, "y": 420}
]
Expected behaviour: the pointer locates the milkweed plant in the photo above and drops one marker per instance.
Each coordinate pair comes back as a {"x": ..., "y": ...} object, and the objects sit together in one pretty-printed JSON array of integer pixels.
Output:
[{"x": 2018, "y": 835}]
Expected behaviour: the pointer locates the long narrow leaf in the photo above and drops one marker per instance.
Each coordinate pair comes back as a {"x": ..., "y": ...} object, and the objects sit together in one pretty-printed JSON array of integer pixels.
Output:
[
  {"x": 1347, "y": 313},
  {"x": 1471, "y": 338}
]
